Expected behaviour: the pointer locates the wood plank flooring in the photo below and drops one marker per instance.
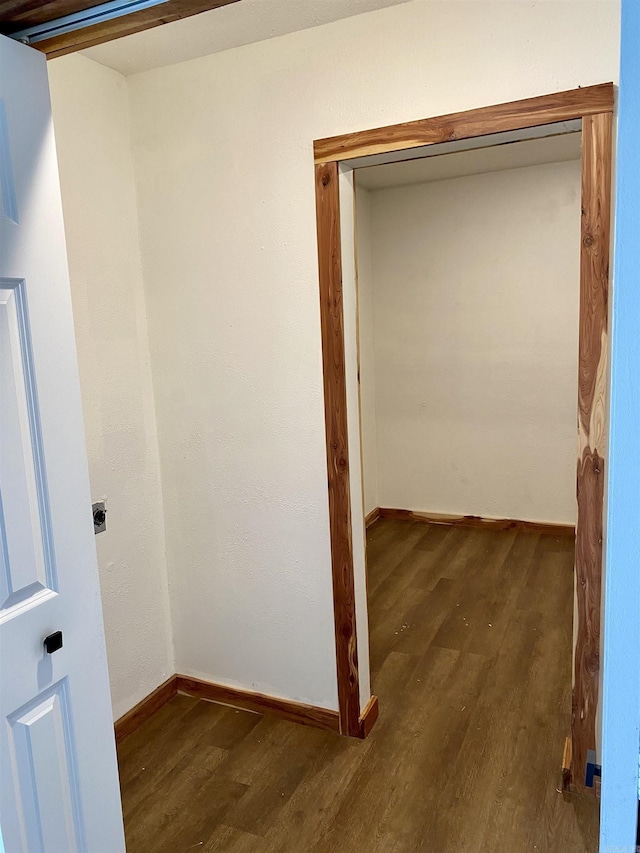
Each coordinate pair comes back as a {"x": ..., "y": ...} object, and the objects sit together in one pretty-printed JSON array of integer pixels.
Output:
[{"x": 471, "y": 660}]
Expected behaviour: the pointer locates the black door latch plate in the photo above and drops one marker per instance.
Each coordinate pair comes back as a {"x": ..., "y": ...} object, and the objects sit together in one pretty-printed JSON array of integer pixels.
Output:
[{"x": 53, "y": 642}]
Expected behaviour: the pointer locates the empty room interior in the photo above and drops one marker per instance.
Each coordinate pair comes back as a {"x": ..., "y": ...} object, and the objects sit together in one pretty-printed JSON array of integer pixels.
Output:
[
  {"x": 332, "y": 372},
  {"x": 468, "y": 313}
]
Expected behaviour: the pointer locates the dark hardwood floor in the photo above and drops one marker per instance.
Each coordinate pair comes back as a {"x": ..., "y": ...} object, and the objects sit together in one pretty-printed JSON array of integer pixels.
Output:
[{"x": 471, "y": 660}]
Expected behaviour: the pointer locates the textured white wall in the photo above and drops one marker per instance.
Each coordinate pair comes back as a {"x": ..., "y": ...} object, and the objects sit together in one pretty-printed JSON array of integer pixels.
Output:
[
  {"x": 223, "y": 156},
  {"x": 366, "y": 351},
  {"x": 90, "y": 110},
  {"x": 476, "y": 284}
]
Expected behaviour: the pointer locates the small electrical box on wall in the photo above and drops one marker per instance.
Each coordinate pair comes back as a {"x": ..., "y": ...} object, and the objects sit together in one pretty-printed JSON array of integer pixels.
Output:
[{"x": 99, "y": 517}]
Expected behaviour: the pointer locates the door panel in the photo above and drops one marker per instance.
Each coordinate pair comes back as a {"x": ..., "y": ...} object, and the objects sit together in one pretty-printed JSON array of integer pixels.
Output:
[
  {"x": 7, "y": 189},
  {"x": 43, "y": 762},
  {"x": 59, "y": 787},
  {"x": 27, "y": 572}
]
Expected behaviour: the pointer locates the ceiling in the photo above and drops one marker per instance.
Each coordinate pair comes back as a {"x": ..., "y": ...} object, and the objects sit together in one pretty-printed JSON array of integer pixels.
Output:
[
  {"x": 513, "y": 155},
  {"x": 240, "y": 23}
]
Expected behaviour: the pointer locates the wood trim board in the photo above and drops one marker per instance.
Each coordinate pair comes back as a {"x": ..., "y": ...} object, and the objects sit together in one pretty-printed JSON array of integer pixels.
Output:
[
  {"x": 566, "y": 766},
  {"x": 371, "y": 517},
  {"x": 259, "y": 703},
  {"x": 477, "y": 521},
  {"x": 594, "y": 105},
  {"x": 19, "y": 13},
  {"x": 515, "y": 115},
  {"x": 146, "y": 708},
  {"x": 593, "y": 350},
  {"x": 335, "y": 403},
  {"x": 369, "y": 717}
]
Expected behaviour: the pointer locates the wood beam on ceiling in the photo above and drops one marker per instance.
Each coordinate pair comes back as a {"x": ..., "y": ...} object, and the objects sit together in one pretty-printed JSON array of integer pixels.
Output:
[
  {"x": 19, "y": 14},
  {"x": 16, "y": 14}
]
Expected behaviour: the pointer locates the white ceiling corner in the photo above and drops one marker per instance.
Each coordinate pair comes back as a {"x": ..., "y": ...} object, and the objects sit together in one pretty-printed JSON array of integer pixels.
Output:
[
  {"x": 496, "y": 158},
  {"x": 241, "y": 23}
]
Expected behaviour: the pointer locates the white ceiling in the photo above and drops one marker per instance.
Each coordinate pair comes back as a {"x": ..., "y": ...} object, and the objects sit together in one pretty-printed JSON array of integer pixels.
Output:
[
  {"x": 531, "y": 152},
  {"x": 244, "y": 22}
]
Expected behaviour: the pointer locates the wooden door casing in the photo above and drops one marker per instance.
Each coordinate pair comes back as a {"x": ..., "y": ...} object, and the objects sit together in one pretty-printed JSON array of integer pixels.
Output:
[{"x": 594, "y": 106}]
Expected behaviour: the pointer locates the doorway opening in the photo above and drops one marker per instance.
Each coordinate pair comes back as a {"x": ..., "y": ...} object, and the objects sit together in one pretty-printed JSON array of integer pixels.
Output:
[
  {"x": 338, "y": 160},
  {"x": 468, "y": 285}
]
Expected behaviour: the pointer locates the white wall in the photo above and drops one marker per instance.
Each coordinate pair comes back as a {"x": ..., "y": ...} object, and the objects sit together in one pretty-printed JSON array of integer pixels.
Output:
[
  {"x": 223, "y": 155},
  {"x": 476, "y": 284},
  {"x": 90, "y": 110},
  {"x": 366, "y": 351}
]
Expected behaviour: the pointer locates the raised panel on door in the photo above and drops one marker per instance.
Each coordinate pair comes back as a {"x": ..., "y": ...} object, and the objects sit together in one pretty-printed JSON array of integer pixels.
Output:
[
  {"x": 44, "y": 773},
  {"x": 8, "y": 208},
  {"x": 27, "y": 568}
]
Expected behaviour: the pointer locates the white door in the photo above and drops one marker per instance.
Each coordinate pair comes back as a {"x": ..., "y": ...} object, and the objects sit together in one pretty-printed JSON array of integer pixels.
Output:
[{"x": 59, "y": 788}]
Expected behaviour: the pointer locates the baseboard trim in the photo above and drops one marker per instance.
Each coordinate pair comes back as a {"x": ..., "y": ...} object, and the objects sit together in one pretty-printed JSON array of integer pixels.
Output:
[
  {"x": 566, "y": 766},
  {"x": 260, "y": 703},
  {"x": 477, "y": 521},
  {"x": 147, "y": 707},
  {"x": 371, "y": 517},
  {"x": 571, "y": 786},
  {"x": 368, "y": 717}
]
